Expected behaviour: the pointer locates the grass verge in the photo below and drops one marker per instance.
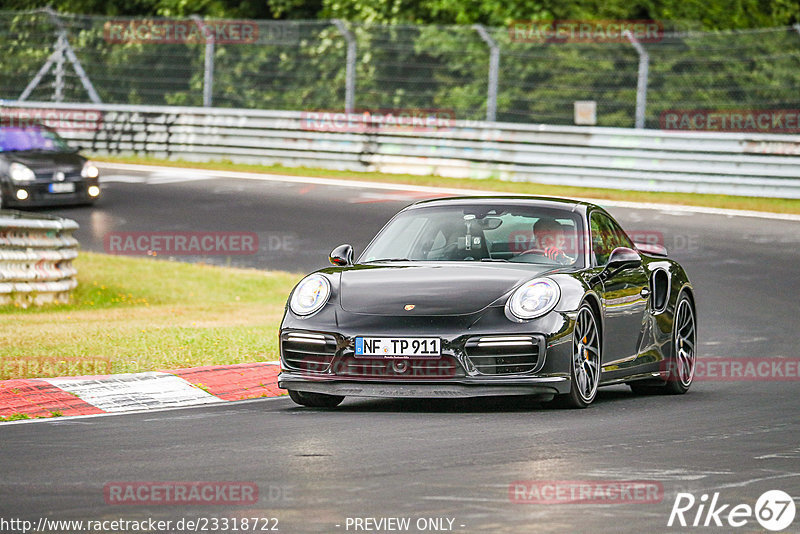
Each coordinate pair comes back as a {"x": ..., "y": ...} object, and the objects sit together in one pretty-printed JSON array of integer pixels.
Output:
[
  {"x": 133, "y": 315},
  {"x": 776, "y": 205}
]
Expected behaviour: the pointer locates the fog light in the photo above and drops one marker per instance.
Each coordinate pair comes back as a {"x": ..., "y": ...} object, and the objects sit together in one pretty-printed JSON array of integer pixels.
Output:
[
  {"x": 22, "y": 194},
  {"x": 93, "y": 191}
]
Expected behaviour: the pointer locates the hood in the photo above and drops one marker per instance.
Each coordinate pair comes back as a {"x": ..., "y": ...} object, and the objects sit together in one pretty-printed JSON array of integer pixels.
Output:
[
  {"x": 47, "y": 162},
  {"x": 433, "y": 289}
]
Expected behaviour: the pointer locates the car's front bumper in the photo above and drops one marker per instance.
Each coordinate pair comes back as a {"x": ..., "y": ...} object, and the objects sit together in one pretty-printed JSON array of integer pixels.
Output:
[
  {"x": 38, "y": 194},
  {"x": 327, "y": 362}
]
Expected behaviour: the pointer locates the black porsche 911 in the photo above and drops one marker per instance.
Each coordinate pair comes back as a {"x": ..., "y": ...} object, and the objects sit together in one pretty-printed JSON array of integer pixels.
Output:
[
  {"x": 39, "y": 168},
  {"x": 479, "y": 296}
]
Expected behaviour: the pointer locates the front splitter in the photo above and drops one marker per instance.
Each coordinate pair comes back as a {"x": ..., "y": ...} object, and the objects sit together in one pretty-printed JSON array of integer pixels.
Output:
[{"x": 542, "y": 386}]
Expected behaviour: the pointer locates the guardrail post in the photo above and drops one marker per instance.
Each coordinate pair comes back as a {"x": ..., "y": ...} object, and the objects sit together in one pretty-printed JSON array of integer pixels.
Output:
[
  {"x": 350, "y": 72},
  {"x": 208, "y": 64},
  {"x": 641, "y": 84},
  {"x": 494, "y": 72}
]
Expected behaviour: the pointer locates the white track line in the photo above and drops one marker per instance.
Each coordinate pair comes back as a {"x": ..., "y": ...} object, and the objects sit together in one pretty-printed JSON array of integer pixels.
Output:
[
  {"x": 69, "y": 418},
  {"x": 361, "y": 184}
]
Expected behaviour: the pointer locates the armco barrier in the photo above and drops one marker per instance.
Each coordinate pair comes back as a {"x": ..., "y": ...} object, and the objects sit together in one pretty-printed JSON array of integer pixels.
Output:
[
  {"x": 750, "y": 164},
  {"x": 36, "y": 253}
]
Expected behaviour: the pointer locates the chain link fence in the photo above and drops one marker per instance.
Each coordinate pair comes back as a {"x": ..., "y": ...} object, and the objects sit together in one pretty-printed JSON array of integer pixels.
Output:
[{"x": 477, "y": 73}]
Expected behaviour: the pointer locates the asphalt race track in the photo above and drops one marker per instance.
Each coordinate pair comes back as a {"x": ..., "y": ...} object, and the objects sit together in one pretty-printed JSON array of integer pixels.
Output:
[{"x": 444, "y": 459}]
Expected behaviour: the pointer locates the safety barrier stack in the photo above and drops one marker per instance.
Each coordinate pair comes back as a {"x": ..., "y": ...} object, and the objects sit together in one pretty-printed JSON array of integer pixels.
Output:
[{"x": 36, "y": 255}]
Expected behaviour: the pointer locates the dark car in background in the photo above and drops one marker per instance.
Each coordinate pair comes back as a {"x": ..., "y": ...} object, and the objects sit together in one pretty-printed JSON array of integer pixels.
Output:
[{"x": 39, "y": 168}]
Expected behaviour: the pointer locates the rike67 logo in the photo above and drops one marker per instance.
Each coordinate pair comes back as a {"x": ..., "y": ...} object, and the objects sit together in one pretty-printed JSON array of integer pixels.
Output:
[{"x": 774, "y": 510}]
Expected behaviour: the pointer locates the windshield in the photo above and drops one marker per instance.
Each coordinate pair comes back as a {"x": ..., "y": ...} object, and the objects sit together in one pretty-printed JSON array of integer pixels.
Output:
[
  {"x": 518, "y": 234},
  {"x": 19, "y": 138}
]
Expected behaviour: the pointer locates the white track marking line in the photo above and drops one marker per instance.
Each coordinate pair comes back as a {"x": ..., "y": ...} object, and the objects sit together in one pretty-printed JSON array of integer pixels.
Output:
[
  {"x": 74, "y": 418},
  {"x": 360, "y": 184}
]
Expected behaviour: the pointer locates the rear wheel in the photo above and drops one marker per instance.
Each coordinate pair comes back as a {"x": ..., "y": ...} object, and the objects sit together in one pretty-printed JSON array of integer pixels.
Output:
[
  {"x": 680, "y": 372},
  {"x": 585, "y": 365},
  {"x": 315, "y": 400},
  {"x": 681, "y": 364}
]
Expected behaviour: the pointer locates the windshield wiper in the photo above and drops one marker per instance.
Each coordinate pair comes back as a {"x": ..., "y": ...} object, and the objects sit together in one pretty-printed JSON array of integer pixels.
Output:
[{"x": 495, "y": 259}]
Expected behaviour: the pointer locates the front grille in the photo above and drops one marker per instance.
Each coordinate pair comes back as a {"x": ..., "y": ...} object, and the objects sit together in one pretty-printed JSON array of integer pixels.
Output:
[
  {"x": 504, "y": 355},
  {"x": 412, "y": 368},
  {"x": 306, "y": 351}
]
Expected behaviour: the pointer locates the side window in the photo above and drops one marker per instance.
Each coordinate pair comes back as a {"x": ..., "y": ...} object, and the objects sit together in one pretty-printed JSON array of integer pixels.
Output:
[{"x": 606, "y": 236}]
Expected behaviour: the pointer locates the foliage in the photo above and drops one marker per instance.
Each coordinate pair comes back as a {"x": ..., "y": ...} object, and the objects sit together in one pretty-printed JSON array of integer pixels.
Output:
[{"x": 301, "y": 64}]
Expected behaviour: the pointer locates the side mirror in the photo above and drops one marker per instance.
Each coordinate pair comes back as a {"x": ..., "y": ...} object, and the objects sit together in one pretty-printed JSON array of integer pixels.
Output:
[
  {"x": 342, "y": 256},
  {"x": 623, "y": 257}
]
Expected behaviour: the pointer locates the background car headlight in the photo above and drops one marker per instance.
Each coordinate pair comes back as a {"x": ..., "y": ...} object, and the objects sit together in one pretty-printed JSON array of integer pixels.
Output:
[
  {"x": 310, "y": 295},
  {"x": 534, "y": 298},
  {"x": 89, "y": 170},
  {"x": 20, "y": 173}
]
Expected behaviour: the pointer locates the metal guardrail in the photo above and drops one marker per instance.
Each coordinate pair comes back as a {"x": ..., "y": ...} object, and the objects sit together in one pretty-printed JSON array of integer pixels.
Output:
[
  {"x": 36, "y": 253},
  {"x": 640, "y": 159}
]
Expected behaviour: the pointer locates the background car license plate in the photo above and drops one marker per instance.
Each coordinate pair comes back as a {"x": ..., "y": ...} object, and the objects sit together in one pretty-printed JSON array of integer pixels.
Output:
[
  {"x": 67, "y": 187},
  {"x": 398, "y": 347}
]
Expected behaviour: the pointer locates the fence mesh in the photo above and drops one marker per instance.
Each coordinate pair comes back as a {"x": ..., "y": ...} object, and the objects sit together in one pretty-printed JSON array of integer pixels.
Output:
[{"x": 302, "y": 65}]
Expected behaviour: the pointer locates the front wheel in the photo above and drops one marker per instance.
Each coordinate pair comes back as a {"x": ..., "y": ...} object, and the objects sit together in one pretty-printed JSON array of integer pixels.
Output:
[
  {"x": 585, "y": 364},
  {"x": 315, "y": 400}
]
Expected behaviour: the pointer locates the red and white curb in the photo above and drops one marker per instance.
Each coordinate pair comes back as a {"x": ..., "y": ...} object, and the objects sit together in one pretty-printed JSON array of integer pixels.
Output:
[{"x": 89, "y": 395}]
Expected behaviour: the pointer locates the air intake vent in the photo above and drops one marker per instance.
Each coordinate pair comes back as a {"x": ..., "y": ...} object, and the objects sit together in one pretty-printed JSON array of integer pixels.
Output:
[
  {"x": 307, "y": 351},
  {"x": 505, "y": 355},
  {"x": 411, "y": 368},
  {"x": 659, "y": 282}
]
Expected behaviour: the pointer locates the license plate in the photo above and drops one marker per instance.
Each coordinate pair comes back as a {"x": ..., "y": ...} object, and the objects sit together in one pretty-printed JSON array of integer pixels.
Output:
[
  {"x": 398, "y": 347},
  {"x": 67, "y": 187}
]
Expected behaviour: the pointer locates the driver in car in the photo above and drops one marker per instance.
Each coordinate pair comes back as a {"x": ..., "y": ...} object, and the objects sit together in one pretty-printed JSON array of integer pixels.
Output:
[{"x": 551, "y": 240}]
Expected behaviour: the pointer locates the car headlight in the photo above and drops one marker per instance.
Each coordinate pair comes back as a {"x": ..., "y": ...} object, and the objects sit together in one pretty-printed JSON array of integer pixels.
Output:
[
  {"x": 534, "y": 298},
  {"x": 89, "y": 170},
  {"x": 310, "y": 295},
  {"x": 20, "y": 173}
]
